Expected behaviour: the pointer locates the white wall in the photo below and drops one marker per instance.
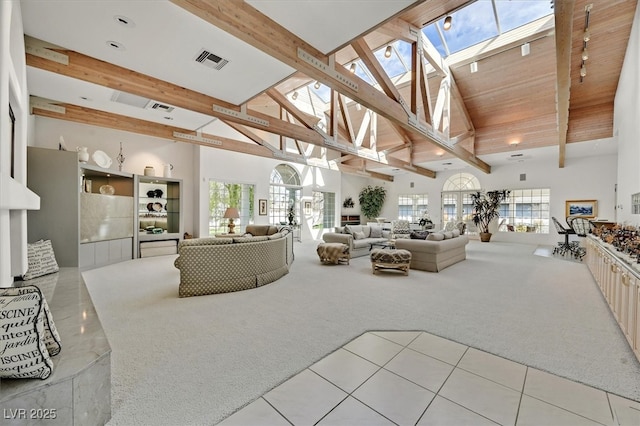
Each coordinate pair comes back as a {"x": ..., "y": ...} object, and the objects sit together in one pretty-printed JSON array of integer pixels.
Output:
[
  {"x": 15, "y": 198},
  {"x": 228, "y": 166},
  {"x": 626, "y": 124},
  {"x": 582, "y": 178},
  {"x": 139, "y": 151}
]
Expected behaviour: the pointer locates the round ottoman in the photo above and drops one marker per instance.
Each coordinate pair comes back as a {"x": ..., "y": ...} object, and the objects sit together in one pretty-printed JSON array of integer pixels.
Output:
[
  {"x": 333, "y": 253},
  {"x": 390, "y": 259}
]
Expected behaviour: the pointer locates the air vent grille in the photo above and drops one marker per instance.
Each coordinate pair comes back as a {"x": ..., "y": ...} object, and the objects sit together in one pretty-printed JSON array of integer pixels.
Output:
[
  {"x": 210, "y": 60},
  {"x": 160, "y": 107},
  {"x": 129, "y": 99}
]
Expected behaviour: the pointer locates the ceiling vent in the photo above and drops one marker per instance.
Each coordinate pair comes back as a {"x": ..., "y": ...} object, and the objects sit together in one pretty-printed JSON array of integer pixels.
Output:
[
  {"x": 519, "y": 157},
  {"x": 210, "y": 60},
  {"x": 129, "y": 99},
  {"x": 158, "y": 106}
]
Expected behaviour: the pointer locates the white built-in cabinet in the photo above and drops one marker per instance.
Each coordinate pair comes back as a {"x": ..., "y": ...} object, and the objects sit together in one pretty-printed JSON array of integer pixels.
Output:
[
  {"x": 86, "y": 211},
  {"x": 618, "y": 277}
]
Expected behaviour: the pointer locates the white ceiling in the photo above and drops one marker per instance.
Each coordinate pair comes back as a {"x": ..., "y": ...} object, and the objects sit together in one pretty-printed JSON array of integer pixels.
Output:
[{"x": 329, "y": 24}]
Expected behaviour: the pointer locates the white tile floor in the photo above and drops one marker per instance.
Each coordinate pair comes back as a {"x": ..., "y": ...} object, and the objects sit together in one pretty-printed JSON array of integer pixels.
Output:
[{"x": 416, "y": 378}]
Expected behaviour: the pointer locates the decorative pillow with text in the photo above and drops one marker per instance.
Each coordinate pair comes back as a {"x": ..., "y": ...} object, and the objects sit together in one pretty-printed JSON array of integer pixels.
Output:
[{"x": 26, "y": 330}]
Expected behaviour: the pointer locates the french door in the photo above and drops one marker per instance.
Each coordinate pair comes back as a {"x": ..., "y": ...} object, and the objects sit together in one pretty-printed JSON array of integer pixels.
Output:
[{"x": 456, "y": 207}]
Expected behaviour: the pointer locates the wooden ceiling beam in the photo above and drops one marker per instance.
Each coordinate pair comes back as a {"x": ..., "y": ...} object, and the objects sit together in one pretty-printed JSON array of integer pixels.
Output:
[
  {"x": 112, "y": 76},
  {"x": 241, "y": 20},
  {"x": 563, "y": 15}
]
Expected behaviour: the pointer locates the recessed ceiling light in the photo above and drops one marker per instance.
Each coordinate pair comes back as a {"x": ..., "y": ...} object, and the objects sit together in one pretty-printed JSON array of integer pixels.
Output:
[
  {"x": 84, "y": 98},
  {"x": 124, "y": 21},
  {"x": 115, "y": 45},
  {"x": 168, "y": 118},
  {"x": 447, "y": 164}
]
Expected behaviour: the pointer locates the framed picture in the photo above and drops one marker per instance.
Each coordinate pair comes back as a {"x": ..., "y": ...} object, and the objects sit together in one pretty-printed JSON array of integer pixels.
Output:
[
  {"x": 262, "y": 207},
  {"x": 307, "y": 207},
  {"x": 583, "y": 208}
]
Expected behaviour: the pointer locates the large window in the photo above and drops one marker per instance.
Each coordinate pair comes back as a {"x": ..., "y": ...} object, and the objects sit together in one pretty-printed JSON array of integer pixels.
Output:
[
  {"x": 412, "y": 207},
  {"x": 223, "y": 195},
  {"x": 284, "y": 194},
  {"x": 323, "y": 210},
  {"x": 526, "y": 210}
]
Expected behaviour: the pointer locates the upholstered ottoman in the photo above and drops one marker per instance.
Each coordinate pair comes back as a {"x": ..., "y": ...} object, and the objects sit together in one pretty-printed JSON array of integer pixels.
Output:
[
  {"x": 333, "y": 253},
  {"x": 390, "y": 259}
]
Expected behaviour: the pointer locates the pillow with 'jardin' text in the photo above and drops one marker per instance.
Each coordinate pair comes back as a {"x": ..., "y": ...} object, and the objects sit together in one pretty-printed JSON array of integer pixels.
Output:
[{"x": 27, "y": 330}]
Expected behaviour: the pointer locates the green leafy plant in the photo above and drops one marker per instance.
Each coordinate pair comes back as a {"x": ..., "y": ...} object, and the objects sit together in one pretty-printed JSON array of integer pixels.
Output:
[
  {"x": 371, "y": 199},
  {"x": 486, "y": 207}
]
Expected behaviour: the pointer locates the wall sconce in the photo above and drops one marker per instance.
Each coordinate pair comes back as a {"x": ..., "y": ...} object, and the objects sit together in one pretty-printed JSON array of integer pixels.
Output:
[
  {"x": 447, "y": 23},
  {"x": 317, "y": 85},
  {"x": 473, "y": 66},
  {"x": 353, "y": 68},
  {"x": 525, "y": 49},
  {"x": 387, "y": 52},
  {"x": 583, "y": 71}
]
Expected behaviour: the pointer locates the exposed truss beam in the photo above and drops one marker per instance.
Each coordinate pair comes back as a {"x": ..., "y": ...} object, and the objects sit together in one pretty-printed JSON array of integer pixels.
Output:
[
  {"x": 98, "y": 118},
  {"x": 563, "y": 11},
  {"x": 246, "y": 23},
  {"x": 109, "y": 75}
]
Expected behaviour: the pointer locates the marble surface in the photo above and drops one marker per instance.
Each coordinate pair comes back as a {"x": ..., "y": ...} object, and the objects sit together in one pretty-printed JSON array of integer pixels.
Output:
[
  {"x": 80, "y": 384},
  {"x": 105, "y": 217}
]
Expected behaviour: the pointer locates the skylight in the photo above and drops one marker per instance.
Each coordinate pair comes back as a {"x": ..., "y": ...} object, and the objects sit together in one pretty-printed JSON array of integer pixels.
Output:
[{"x": 480, "y": 21}]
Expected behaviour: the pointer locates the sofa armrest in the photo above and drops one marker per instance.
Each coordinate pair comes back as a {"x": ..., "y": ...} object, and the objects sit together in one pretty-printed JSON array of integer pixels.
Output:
[{"x": 334, "y": 237}]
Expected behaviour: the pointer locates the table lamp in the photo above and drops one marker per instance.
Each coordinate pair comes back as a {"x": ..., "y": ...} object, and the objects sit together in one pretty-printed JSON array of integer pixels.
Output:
[{"x": 231, "y": 213}]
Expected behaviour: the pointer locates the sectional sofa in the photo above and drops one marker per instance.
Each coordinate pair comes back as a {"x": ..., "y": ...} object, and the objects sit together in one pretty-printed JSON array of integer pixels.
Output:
[{"x": 233, "y": 263}]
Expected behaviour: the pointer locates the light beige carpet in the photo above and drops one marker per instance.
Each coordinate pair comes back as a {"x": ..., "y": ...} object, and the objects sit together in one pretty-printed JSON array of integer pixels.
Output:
[{"x": 197, "y": 360}]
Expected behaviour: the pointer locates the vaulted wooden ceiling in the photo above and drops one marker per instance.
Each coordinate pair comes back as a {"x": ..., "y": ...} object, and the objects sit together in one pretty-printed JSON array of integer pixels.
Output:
[{"x": 408, "y": 124}]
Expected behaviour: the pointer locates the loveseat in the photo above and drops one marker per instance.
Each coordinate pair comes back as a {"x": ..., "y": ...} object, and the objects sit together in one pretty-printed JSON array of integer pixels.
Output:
[
  {"x": 438, "y": 251},
  {"x": 219, "y": 265},
  {"x": 358, "y": 237}
]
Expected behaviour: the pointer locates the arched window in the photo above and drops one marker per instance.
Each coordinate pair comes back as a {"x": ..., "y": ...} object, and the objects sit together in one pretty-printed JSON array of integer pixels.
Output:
[
  {"x": 456, "y": 199},
  {"x": 284, "y": 194}
]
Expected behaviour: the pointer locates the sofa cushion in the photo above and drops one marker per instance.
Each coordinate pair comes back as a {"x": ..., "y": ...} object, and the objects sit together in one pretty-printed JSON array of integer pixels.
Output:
[
  {"x": 419, "y": 235},
  {"x": 359, "y": 235},
  {"x": 352, "y": 229},
  {"x": 366, "y": 230},
  {"x": 24, "y": 320},
  {"x": 376, "y": 232},
  {"x": 205, "y": 241},
  {"x": 456, "y": 233},
  {"x": 41, "y": 260},
  {"x": 250, "y": 239},
  {"x": 435, "y": 236},
  {"x": 448, "y": 235}
]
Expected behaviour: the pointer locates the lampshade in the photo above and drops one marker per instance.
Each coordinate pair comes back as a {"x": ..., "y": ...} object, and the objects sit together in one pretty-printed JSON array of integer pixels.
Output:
[{"x": 231, "y": 213}]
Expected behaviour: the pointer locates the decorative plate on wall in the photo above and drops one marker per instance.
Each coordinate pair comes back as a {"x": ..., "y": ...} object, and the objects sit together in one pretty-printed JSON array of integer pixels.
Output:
[{"x": 101, "y": 159}]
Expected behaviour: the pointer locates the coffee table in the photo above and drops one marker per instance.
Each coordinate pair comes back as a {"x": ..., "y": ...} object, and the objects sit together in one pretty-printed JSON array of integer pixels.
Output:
[{"x": 389, "y": 244}]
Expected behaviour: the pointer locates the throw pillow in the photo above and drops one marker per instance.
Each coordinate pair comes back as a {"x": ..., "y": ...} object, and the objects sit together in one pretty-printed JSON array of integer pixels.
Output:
[
  {"x": 419, "y": 235},
  {"x": 376, "y": 232},
  {"x": 448, "y": 235},
  {"x": 366, "y": 230},
  {"x": 24, "y": 322},
  {"x": 41, "y": 260},
  {"x": 435, "y": 236},
  {"x": 358, "y": 236},
  {"x": 456, "y": 233}
]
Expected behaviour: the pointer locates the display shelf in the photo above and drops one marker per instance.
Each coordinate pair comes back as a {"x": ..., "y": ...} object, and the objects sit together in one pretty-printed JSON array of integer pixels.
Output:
[
  {"x": 162, "y": 211},
  {"x": 349, "y": 219}
]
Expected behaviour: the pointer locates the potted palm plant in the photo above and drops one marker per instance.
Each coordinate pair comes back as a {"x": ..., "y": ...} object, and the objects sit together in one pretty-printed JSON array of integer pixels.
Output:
[{"x": 486, "y": 207}]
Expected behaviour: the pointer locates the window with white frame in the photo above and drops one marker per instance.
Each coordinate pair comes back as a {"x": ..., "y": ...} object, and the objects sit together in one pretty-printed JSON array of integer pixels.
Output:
[
  {"x": 526, "y": 210},
  {"x": 412, "y": 207},
  {"x": 284, "y": 195},
  {"x": 225, "y": 194},
  {"x": 323, "y": 212},
  {"x": 635, "y": 203}
]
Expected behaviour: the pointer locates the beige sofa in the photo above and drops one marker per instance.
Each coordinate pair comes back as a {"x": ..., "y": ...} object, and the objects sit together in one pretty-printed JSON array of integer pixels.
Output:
[
  {"x": 358, "y": 237},
  {"x": 438, "y": 251},
  {"x": 220, "y": 265}
]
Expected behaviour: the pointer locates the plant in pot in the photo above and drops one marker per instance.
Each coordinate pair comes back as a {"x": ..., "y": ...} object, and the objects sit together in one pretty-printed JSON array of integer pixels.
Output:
[
  {"x": 371, "y": 200},
  {"x": 486, "y": 207},
  {"x": 291, "y": 213}
]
